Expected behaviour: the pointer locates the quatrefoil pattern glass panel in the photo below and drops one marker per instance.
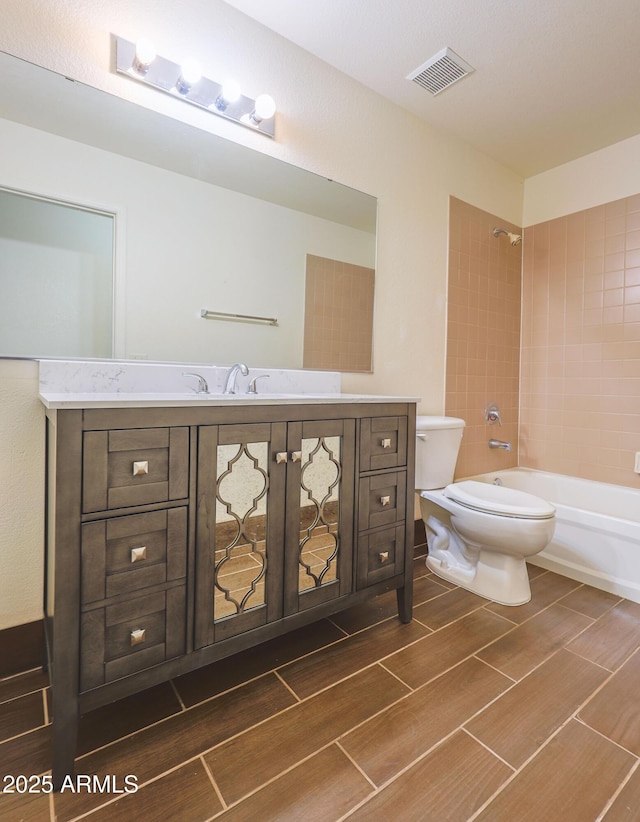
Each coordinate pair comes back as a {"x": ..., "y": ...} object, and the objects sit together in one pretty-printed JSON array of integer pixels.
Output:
[
  {"x": 319, "y": 511},
  {"x": 241, "y": 521}
]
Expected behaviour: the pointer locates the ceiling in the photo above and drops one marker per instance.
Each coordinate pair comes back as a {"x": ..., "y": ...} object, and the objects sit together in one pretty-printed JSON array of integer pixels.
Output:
[{"x": 554, "y": 79}]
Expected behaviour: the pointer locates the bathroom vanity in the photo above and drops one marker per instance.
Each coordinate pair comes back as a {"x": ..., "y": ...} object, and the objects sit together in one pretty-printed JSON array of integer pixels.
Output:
[{"x": 183, "y": 530}]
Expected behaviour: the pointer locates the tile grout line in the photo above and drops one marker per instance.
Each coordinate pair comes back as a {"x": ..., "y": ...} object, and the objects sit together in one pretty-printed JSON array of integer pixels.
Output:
[
  {"x": 617, "y": 793},
  {"x": 177, "y": 695},
  {"x": 213, "y": 782}
]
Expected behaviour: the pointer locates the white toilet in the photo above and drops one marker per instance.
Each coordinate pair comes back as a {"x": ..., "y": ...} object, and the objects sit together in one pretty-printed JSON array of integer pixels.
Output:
[{"x": 479, "y": 535}]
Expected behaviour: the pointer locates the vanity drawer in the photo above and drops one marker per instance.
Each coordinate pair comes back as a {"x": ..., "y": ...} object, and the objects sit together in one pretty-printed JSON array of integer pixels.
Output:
[
  {"x": 125, "y": 554},
  {"x": 383, "y": 443},
  {"x": 380, "y": 555},
  {"x": 127, "y": 637},
  {"x": 134, "y": 467},
  {"x": 382, "y": 500}
]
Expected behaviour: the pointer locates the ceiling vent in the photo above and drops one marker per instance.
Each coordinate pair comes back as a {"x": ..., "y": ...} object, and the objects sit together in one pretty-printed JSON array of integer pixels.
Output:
[{"x": 443, "y": 70}]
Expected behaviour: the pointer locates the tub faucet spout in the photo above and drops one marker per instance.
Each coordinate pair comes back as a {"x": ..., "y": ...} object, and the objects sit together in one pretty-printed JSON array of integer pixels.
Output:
[
  {"x": 230, "y": 386},
  {"x": 500, "y": 444}
]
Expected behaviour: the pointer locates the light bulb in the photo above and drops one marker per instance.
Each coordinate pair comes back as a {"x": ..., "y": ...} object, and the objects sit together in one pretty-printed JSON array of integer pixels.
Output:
[
  {"x": 190, "y": 73},
  {"x": 230, "y": 93},
  {"x": 145, "y": 55},
  {"x": 264, "y": 109}
]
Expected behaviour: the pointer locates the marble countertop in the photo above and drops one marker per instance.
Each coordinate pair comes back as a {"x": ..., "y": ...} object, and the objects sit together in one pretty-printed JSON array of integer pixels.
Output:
[{"x": 171, "y": 399}]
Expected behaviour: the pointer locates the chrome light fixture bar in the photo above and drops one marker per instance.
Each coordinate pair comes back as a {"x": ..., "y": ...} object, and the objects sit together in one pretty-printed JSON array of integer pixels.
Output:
[{"x": 183, "y": 83}]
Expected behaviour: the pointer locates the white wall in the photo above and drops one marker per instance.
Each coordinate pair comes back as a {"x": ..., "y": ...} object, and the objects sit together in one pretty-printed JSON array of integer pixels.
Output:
[
  {"x": 326, "y": 123},
  {"x": 602, "y": 177}
]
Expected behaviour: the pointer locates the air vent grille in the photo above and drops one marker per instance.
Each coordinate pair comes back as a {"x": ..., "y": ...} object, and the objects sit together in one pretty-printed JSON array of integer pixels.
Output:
[{"x": 443, "y": 70}]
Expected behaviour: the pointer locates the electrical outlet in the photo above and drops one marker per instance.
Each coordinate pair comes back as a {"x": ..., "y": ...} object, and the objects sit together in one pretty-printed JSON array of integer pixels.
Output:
[{"x": 636, "y": 466}]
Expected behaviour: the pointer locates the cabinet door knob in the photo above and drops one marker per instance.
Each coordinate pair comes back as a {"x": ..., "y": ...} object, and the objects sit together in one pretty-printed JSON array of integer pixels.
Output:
[
  {"x": 385, "y": 500},
  {"x": 138, "y": 554},
  {"x": 384, "y": 556},
  {"x": 140, "y": 468},
  {"x": 386, "y": 443},
  {"x": 296, "y": 456},
  {"x": 281, "y": 457},
  {"x": 137, "y": 637}
]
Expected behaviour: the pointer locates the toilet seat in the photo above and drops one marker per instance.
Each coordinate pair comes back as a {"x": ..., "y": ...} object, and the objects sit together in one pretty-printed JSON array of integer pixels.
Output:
[{"x": 499, "y": 501}]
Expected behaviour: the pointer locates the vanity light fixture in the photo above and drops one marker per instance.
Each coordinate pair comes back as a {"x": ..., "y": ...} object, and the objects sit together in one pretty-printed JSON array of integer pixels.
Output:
[{"x": 140, "y": 62}]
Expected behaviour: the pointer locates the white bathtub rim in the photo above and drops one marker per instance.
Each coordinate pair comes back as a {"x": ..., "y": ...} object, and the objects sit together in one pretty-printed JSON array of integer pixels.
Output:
[{"x": 605, "y": 582}]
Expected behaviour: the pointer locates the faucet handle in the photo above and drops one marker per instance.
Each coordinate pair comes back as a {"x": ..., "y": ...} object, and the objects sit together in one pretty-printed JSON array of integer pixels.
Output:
[
  {"x": 202, "y": 388},
  {"x": 492, "y": 414},
  {"x": 252, "y": 389}
]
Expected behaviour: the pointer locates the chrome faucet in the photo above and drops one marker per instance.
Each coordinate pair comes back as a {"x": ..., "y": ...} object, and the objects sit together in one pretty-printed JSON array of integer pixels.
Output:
[
  {"x": 230, "y": 386},
  {"x": 202, "y": 388},
  {"x": 499, "y": 444}
]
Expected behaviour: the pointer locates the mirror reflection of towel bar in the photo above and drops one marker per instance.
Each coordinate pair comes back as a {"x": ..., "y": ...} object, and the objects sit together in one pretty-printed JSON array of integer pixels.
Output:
[{"x": 221, "y": 315}]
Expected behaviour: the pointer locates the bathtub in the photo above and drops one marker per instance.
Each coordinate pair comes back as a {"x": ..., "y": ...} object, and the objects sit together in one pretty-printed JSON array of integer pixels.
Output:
[{"x": 597, "y": 536}]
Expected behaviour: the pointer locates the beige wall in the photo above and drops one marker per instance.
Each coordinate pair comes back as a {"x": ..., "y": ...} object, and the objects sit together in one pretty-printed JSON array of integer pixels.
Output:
[
  {"x": 483, "y": 335},
  {"x": 581, "y": 344},
  {"x": 326, "y": 123}
]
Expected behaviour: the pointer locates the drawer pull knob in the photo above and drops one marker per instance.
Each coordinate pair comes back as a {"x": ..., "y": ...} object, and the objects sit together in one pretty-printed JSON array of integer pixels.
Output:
[
  {"x": 140, "y": 468},
  {"x": 281, "y": 457},
  {"x": 385, "y": 500},
  {"x": 296, "y": 456},
  {"x": 384, "y": 556},
  {"x": 138, "y": 554},
  {"x": 137, "y": 637},
  {"x": 386, "y": 443}
]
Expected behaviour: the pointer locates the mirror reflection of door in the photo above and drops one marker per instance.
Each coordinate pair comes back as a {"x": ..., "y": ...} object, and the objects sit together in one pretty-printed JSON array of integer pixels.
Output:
[{"x": 56, "y": 278}]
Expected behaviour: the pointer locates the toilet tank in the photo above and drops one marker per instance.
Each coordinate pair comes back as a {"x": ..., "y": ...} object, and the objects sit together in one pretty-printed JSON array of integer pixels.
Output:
[{"x": 437, "y": 445}]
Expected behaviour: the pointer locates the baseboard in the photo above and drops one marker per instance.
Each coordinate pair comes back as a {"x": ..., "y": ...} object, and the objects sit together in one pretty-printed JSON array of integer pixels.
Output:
[{"x": 21, "y": 648}]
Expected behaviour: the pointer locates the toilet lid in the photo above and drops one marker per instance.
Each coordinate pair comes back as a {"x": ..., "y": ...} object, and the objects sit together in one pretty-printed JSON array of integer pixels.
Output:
[{"x": 495, "y": 499}]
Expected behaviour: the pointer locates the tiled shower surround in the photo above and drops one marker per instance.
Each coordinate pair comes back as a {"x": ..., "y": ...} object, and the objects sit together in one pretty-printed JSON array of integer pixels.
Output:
[
  {"x": 580, "y": 376},
  {"x": 483, "y": 339},
  {"x": 579, "y": 391}
]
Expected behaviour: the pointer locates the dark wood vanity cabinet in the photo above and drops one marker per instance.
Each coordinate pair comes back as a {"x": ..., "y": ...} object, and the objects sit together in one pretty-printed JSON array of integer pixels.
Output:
[{"x": 179, "y": 536}]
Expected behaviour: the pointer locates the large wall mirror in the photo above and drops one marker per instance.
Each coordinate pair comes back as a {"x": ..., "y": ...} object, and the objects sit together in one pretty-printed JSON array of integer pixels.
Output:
[{"x": 197, "y": 222}]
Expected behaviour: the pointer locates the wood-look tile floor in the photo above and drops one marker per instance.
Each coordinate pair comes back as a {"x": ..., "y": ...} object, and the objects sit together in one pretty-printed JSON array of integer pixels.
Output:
[{"x": 474, "y": 711}]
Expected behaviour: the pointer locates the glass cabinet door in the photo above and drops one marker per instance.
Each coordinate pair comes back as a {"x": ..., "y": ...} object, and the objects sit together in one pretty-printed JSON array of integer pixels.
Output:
[
  {"x": 319, "y": 512},
  {"x": 240, "y": 529}
]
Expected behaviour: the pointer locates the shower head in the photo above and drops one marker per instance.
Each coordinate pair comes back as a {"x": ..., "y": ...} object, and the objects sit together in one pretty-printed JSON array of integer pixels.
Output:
[{"x": 514, "y": 239}]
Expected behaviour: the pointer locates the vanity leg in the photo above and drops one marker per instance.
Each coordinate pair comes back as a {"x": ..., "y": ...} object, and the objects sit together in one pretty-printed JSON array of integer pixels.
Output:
[
  {"x": 405, "y": 602},
  {"x": 65, "y": 736}
]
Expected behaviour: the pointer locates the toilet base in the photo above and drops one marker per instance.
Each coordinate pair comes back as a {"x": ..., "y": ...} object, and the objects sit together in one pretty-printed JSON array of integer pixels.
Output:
[{"x": 498, "y": 577}]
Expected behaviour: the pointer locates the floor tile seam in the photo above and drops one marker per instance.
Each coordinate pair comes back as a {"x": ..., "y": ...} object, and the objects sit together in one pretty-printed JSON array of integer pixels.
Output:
[
  {"x": 357, "y": 767},
  {"x": 334, "y": 642},
  {"x": 45, "y": 708},
  {"x": 497, "y": 670},
  {"x": 21, "y": 696},
  {"x": 286, "y": 710},
  {"x": 518, "y": 770},
  {"x": 117, "y": 797},
  {"x": 613, "y": 670},
  {"x": 546, "y": 608},
  {"x": 172, "y": 685},
  {"x": 607, "y": 738},
  {"x": 488, "y": 748},
  {"x": 339, "y": 627},
  {"x": 9, "y": 677},
  {"x": 275, "y": 778},
  {"x": 593, "y": 662},
  {"x": 606, "y": 681},
  {"x": 21, "y": 734},
  {"x": 214, "y": 784},
  {"x": 603, "y": 614},
  {"x": 453, "y": 621},
  {"x": 285, "y": 684},
  {"x": 617, "y": 793},
  {"x": 377, "y": 661}
]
